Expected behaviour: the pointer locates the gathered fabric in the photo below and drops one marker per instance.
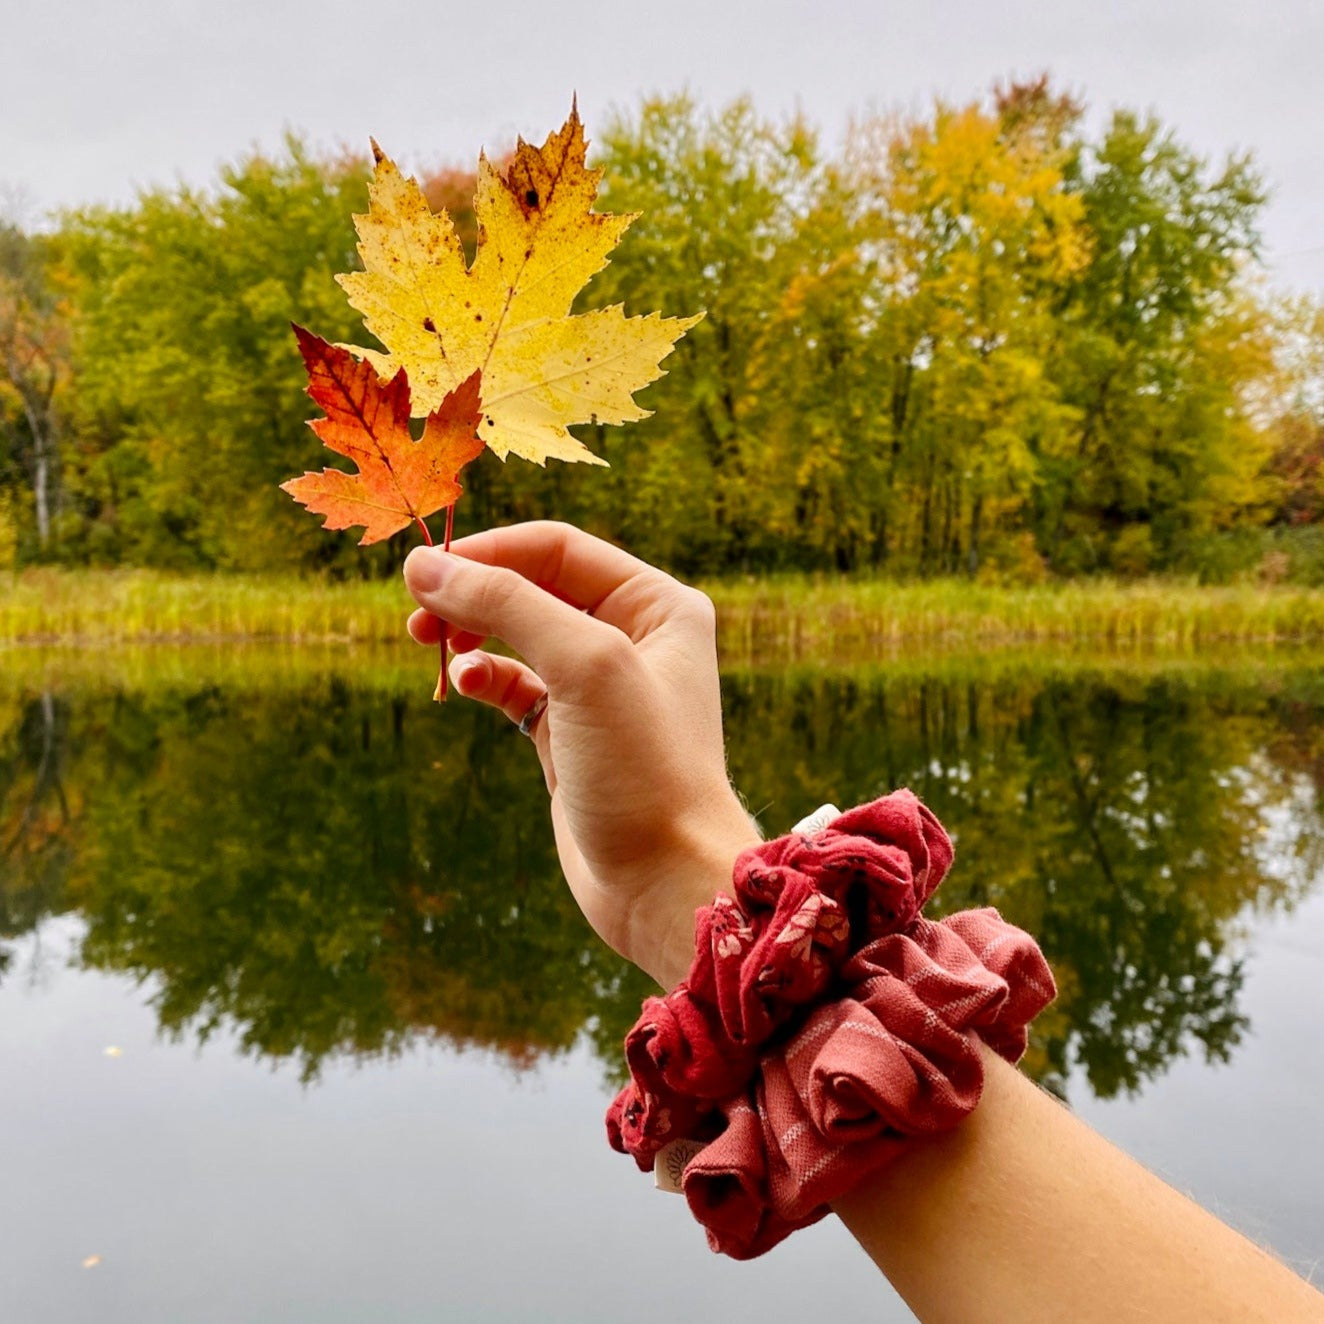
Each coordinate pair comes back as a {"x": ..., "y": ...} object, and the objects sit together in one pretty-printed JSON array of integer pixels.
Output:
[{"x": 825, "y": 1024}]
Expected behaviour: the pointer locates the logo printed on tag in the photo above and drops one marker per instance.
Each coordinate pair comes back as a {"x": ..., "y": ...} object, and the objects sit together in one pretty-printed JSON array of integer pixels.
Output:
[{"x": 669, "y": 1163}]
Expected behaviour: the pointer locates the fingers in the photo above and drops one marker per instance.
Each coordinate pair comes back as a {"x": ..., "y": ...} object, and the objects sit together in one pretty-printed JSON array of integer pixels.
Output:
[
  {"x": 461, "y": 641},
  {"x": 500, "y": 682},
  {"x": 425, "y": 628},
  {"x": 558, "y": 596},
  {"x": 568, "y": 563},
  {"x": 493, "y": 601}
]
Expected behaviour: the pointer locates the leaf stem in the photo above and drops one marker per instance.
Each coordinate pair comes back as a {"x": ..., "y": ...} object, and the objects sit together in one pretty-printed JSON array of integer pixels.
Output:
[{"x": 439, "y": 694}]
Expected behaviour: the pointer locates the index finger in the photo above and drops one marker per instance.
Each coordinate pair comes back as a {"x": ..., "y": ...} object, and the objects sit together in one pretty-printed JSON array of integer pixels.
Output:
[{"x": 587, "y": 572}]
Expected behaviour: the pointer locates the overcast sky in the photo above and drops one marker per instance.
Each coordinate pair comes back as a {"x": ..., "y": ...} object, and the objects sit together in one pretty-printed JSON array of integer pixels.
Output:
[{"x": 97, "y": 99}]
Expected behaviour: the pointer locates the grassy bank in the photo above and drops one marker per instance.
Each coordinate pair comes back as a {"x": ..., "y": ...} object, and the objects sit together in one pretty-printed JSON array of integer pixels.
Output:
[
  {"x": 277, "y": 667},
  {"x": 800, "y": 617},
  {"x": 143, "y": 606},
  {"x": 788, "y": 618}
]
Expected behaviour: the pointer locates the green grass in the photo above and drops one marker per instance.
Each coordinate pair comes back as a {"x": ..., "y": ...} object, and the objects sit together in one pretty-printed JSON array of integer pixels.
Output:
[
  {"x": 143, "y": 606},
  {"x": 797, "y": 618},
  {"x": 782, "y": 618},
  {"x": 273, "y": 668}
]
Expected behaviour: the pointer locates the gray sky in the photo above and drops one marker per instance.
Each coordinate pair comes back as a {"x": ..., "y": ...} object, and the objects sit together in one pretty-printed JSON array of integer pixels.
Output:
[{"x": 99, "y": 98}]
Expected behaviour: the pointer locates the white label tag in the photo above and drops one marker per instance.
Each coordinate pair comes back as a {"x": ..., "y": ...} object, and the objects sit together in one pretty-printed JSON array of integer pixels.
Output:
[
  {"x": 816, "y": 821},
  {"x": 669, "y": 1163}
]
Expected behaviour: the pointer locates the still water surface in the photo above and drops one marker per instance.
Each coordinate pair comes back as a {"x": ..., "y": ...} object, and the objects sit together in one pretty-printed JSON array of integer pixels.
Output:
[{"x": 361, "y": 1039}]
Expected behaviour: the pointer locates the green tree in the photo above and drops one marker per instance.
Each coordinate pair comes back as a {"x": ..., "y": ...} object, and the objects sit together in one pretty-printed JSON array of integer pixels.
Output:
[
  {"x": 724, "y": 199},
  {"x": 975, "y": 342},
  {"x": 819, "y": 428},
  {"x": 1148, "y": 356},
  {"x": 34, "y": 375},
  {"x": 190, "y": 400},
  {"x": 1293, "y": 410},
  {"x": 975, "y": 227}
]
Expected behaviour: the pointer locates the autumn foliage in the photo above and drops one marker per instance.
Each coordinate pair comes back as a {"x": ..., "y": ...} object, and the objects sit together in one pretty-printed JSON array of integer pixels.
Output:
[
  {"x": 989, "y": 340},
  {"x": 487, "y": 352}
]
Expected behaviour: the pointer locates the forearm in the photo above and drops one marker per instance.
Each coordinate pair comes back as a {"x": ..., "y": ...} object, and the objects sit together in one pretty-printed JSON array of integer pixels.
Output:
[{"x": 1024, "y": 1213}]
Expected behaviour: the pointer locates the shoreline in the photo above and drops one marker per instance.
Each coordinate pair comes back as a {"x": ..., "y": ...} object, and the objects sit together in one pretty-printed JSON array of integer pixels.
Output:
[{"x": 792, "y": 617}]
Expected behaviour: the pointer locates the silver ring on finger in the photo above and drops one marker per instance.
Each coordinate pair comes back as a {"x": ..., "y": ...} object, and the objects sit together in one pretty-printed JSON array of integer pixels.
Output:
[{"x": 530, "y": 719}]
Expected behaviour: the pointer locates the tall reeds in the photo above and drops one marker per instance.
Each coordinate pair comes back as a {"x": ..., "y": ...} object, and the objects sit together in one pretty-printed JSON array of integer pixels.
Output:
[{"x": 784, "y": 617}]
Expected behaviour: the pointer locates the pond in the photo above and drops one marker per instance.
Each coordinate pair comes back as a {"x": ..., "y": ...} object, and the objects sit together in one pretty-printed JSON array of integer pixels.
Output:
[{"x": 297, "y": 1021}]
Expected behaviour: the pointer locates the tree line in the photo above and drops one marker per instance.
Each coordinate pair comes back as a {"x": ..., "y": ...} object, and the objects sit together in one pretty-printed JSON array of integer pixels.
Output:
[{"x": 977, "y": 341}]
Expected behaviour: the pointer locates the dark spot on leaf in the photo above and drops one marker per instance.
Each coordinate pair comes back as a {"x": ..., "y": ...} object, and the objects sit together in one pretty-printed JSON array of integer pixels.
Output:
[
  {"x": 429, "y": 325},
  {"x": 478, "y": 317},
  {"x": 490, "y": 423},
  {"x": 531, "y": 197}
]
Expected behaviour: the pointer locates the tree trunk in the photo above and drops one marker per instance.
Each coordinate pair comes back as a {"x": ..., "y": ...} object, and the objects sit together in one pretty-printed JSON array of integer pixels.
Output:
[
  {"x": 40, "y": 493},
  {"x": 37, "y": 396},
  {"x": 926, "y": 522},
  {"x": 46, "y": 780},
  {"x": 945, "y": 537},
  {"x": 41, "y": 468}
]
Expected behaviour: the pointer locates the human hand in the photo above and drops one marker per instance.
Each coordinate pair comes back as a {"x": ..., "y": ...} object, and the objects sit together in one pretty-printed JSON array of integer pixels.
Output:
[{"x": 646, "y": 823}]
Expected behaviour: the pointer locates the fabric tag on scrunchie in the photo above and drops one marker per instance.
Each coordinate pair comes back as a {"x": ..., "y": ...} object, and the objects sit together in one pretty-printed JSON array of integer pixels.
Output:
[
  {"x": 816, "y": 821},
  {"x": 669, "y": 1164}
]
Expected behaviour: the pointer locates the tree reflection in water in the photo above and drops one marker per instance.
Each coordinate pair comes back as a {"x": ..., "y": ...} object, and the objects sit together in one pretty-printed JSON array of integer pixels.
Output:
[{"x": 333, "y": 868}]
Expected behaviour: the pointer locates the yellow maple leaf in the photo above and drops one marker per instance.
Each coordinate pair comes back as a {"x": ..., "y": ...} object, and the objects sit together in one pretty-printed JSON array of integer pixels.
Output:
[{"x": 508, "y": 315}]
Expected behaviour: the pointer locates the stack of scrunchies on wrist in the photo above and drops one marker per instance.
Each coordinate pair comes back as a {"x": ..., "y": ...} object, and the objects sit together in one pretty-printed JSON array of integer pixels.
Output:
[{"x": 824, "y": 1023}]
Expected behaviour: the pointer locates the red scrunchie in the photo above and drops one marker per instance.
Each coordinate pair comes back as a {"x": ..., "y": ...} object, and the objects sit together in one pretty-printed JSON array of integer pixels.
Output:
[
  {"x": 799, "y": 1098},
  {"x": 802, "y": 904},
  {"x": 895, "y": 1059}
]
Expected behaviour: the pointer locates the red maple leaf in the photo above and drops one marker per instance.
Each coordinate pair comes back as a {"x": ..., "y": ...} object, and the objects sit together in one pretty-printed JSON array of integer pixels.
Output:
[{"x": 399, "y": 481}]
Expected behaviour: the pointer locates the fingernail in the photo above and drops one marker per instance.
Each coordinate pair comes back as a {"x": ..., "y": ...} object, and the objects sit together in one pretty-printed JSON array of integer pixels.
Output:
[{"x": 426, "y": 569}]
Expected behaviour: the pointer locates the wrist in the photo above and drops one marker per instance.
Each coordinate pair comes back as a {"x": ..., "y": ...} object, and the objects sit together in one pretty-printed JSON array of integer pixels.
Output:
[
  {"x": 661, "y": 930},
  {"x": 668, "y": 951}
]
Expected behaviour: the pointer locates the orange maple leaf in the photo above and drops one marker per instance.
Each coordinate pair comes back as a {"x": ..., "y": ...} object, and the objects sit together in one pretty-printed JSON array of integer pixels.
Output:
[{"x": 399, "y": 480}]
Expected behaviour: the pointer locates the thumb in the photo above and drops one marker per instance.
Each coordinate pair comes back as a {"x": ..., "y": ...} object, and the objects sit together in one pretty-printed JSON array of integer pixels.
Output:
[{"x": 558, "y": 640}]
